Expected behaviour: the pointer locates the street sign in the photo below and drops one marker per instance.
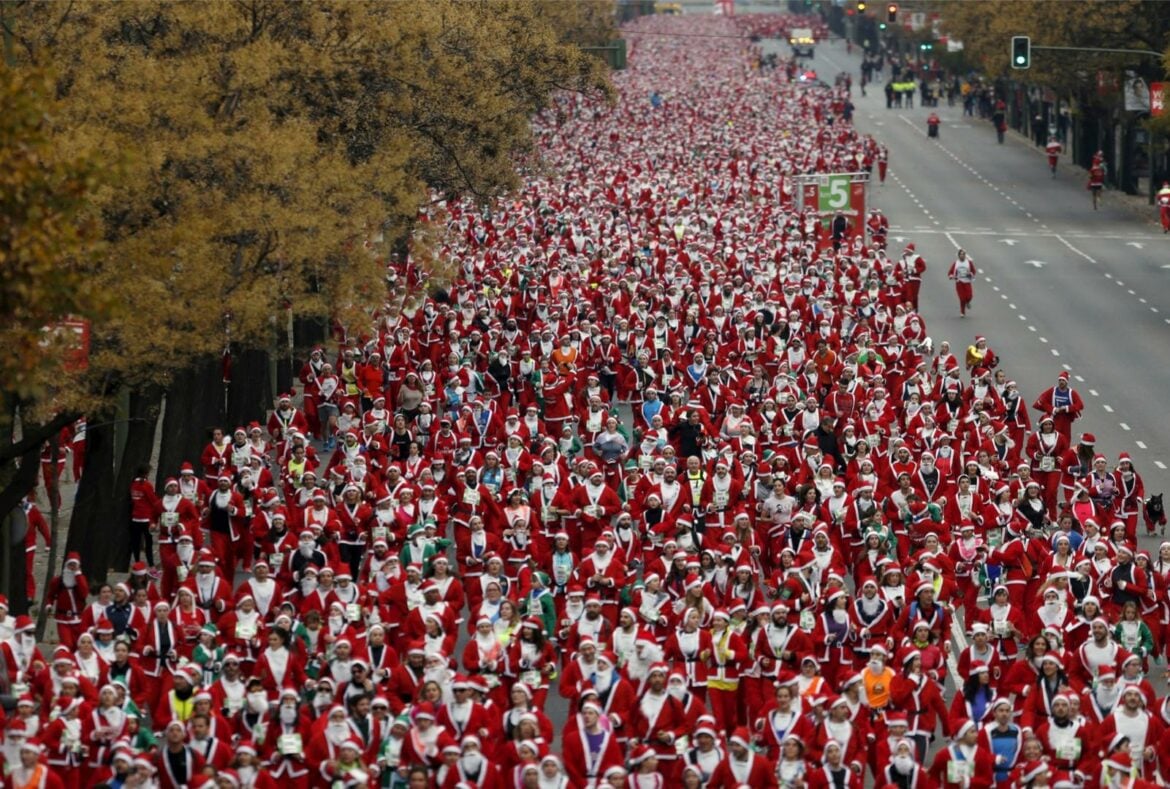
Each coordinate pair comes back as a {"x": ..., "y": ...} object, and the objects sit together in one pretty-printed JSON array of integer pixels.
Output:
[
  {"x": 836, "y": 192},
  {"x": 1157, "y": 98}
]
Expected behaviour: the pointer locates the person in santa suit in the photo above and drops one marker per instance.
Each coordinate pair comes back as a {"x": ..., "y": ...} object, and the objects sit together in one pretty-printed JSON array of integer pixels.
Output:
[
  {"x": 658, "y": 719},
  {"x": 36, "y": 525},
  {"x": 784, "y": 715},
  {"x": 834, "y": 772},
  {"x": 1062, "y": 403},
  {"x": 102, "y": 726},
  {"x": 602, "y": 572},
  {"x": 65, "y": 599},
  {"x": 742, "y": 766},
  {"x": 964, "y": 763},
  {"x": 1143, "y": 730},
  {"x": 177, "y": 764},
  {"x": 727, "y": 659},
  {"x": 473, "y": 768},
  {"x": 427, "y": 740},
  {"x": 911, "y": 266},
  {"x": 22, "y": 657},
  {"x": 614, "y": 693},
  {"x": 590, "y": 749},
  {"x": 1067, "y": 740},
  {"x": 64, "y": 741},
  {"x": 645, "y": 770},
  {"x": 1117, "y": 772},
  {"x": 31, "y": 771},
  {"x": 465, "y": 716},
  {"x": 593, "y": 504},
  {"x": 278, "y": 666},
  {"x": 963, "y": 274},
  {"x": 903, "y": 771},
  {"x": 225, "y": 518},
  {"x": 212, "y": 593}
]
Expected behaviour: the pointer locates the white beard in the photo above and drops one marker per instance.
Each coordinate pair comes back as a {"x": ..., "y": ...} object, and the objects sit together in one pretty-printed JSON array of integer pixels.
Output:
[
  {"x": 604, "y": 681},
  {"x": 337, "y": 733}
]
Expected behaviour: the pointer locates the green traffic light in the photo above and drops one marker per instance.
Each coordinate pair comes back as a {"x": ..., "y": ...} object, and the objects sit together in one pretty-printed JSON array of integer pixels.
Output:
[{"x": 882, "y": 26}]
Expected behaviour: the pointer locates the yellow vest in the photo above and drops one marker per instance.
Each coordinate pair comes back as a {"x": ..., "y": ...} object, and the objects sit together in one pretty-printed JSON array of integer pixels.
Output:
[
  {"x": 183, "y": 709},
  {"x": 717, "y": 680}
]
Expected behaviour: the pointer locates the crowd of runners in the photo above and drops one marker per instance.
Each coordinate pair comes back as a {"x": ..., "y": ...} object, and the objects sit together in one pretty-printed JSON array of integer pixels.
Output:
[{"x": 666, "y": 450}]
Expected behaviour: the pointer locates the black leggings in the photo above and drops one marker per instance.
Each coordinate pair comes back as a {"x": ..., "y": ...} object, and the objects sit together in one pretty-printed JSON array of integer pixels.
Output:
[{"x": 139, "y": 534}]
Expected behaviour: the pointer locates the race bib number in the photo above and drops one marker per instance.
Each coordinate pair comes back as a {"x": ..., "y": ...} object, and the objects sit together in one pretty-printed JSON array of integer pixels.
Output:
[
  {"x": 275, "y": 560},
  {"x": 720, "y": 498},
  {"x": 380, "y": 533},
  {"x": 1047, "y": 463},
  {"x": 170, "y": 519},
  {"x": 808, "y": 620},
  {"x": 245, "y": 632},
  {"x": 959, "y": 772},
  {"x": 531, "y": 678},
  {"x": 1000, "y": 627},
  {"x": 289, "y": 745},
  {"x": 593, "y": 423},
  {"x": 353, "y": 612},
  {"x": 1070, "y": 751},
  {"x": 471, "y": 497},
  {"x": 594, "y": 510},
  {"x": 645, "y": 462}
]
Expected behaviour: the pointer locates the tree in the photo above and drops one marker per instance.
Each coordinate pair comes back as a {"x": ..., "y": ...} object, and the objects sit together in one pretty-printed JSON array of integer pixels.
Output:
[
  {"x": 49, "y": 245},
  {"x": 986, "y": 27},
  {"x": 264, "y": 146}
]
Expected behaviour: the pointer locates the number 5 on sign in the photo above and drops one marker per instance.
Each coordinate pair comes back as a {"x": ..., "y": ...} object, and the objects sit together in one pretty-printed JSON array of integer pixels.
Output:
[{"x": 836, "y": 196}]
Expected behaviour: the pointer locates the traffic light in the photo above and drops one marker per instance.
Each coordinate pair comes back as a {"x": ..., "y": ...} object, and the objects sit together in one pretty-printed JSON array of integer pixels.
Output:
[
  {"x": 881, "y": 25},
  {"x": 892, "y": 13},
  {"x": 1021, "y": 52},
  {"x": 926, "y": 46},
  {"x": 861, "y": 6}
]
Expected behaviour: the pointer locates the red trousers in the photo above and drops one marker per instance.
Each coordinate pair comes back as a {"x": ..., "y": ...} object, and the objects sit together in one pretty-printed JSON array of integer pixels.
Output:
[
  {"x": 965, "y": 292},
  {"x": 224, "y": 549},
  {"x": 67, "y": 633},
  {"x": 724, "y": 706}
]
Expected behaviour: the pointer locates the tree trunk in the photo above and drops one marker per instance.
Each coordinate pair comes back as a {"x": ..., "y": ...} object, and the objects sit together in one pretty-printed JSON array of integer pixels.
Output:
[
  {"x": 92, "y": 531},
  {"x": 250, "y": 393},
  {"x": 14, "y": 581},
  {"x": 17, "y": 481},
  {"x": 143, "y": 423},
  {"x": 194, "y": 407}
]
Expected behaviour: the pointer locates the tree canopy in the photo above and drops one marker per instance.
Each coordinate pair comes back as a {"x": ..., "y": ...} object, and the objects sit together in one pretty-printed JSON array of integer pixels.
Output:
[
  {"x": 264, "y": 143},
  {"x": 270, "y": 156},
  {"x": 986, "y": 27}
]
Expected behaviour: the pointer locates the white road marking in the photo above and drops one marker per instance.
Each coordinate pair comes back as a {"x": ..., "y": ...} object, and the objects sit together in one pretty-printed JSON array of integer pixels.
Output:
[
  {"x": 1124, "y": 426},
  {"x": 1093, "y": 392},
  {"x": 1141, "y": 444},
  {"x": 1062, "y": 240},
  {"x": 1108, "y": 409},
  {"x": 1079, "y": 379},
  {"x": 1160, "y": 464}
]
